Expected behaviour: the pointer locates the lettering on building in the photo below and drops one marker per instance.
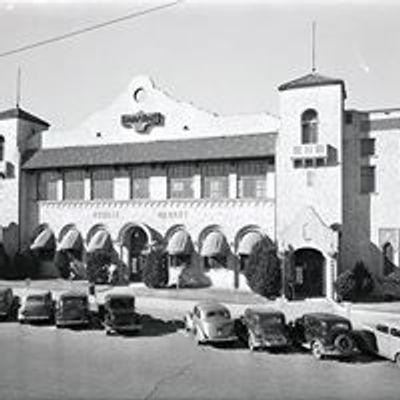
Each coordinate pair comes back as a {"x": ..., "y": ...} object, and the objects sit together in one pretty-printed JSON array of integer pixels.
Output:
[
  {"x": 181, "y": 214},
  {"x": 105, "y": 214},
  {"x": 142, "y": 122}
]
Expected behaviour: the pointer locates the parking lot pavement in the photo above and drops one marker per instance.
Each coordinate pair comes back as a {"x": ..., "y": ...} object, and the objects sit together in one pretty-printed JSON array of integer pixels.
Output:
[{"x": 163, "y": 362}]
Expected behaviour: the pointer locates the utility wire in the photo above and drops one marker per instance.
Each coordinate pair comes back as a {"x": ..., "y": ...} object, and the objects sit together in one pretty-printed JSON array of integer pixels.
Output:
[{"x": 88, "y": 29}]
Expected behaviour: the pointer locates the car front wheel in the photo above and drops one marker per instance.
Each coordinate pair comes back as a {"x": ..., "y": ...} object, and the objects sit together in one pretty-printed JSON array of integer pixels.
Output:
[{"x": 317, "y": 350}]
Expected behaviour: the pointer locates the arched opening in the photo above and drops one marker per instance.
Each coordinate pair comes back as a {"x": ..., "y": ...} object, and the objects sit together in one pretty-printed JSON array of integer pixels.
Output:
[
  {"x": 179, "y": 246},
  {"x": 43, "y": 243},
  {"x": 308, "y": 273},
  {"x": 135, "y": 242},
  {"x": 388, "y": 258},
  {"x": 214, "y": 248},
  {"x": 309, "y": 127}
]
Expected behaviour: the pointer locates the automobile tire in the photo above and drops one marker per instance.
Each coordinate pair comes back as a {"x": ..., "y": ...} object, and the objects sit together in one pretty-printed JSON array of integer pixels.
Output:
[
  {"x": 344, "y": 343},
  {"x": 397, "y": 359},
  {"x": 317, "y": 350}
]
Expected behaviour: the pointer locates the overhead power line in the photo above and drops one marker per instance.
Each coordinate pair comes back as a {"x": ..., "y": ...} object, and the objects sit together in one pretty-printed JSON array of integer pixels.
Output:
[{"x": 88, "y": 29}]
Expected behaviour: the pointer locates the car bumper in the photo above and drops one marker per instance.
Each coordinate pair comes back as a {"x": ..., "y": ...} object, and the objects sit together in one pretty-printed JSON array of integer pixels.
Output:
[
  {"x": 34, "y": 318},
  {"x": 124, "y": 328},
  {"x": 72, "y": 322}
]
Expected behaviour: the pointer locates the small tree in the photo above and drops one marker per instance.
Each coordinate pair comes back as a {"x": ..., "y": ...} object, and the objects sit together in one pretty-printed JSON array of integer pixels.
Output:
[
  {"x": 97, "y": 266},
  {"x": 155, "y": 271},
  {"x": 263, "y": 272}
]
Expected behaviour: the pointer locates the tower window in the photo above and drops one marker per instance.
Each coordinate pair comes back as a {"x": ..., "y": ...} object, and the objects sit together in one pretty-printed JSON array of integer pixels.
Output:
[
  {"x": 367, "y": 179},
  {"x": 1, "y": 148},
  {"x": 309, "y": 127}
]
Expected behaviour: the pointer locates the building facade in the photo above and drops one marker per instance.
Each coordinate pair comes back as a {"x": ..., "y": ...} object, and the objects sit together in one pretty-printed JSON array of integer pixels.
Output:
[{"x": 318, "y": 183}]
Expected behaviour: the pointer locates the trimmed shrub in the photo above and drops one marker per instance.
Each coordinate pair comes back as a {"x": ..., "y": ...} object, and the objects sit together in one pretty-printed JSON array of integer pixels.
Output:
[
  {"x": 345, "y": 286},
  {"x": 61, "y": 262},
  {"x": 391, "y": 285},
  {"x": 24, "y": 265},
  {"x": 355, "y": 284},
  {"x": 155, "y": 271},
  {"x": 263, "y": 271},
  {"x": 97, "y": 266},
  {"x": 364, "y": 280}
]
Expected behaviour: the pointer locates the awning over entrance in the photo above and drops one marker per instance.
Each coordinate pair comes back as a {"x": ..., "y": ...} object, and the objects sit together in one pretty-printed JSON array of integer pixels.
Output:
[
  {"x": 180, "y": 243},
  {"x": 44, "y": 241},
  {"x": 72, "y": 240},
  {"x": 101, "y": 240},
  {"x": 247, "y": 243},
  {"x": 214, "y": 245}
]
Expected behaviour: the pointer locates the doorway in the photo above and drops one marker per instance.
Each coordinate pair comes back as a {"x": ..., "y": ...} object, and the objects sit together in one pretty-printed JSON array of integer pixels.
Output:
[
  {"x": 308, "y": 273},
  {"x": 137, "y": 243}
]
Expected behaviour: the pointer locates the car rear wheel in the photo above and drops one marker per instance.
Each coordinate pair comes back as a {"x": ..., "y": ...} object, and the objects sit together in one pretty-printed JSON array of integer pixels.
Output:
[
  {"x": 344, "y": 343},
  {"x": 317, "y": 350}
]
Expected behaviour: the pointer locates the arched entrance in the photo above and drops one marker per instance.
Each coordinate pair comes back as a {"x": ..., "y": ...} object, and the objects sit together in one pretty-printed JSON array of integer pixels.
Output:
[
  {"x": 135, "y": 242},
  {"x": 308, "y": 273}
]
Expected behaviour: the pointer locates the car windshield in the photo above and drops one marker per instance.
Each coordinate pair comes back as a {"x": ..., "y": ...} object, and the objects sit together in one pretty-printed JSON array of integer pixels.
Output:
[
  {"x": 218, "y": 314},
  {"x": 75, "y": 302},
  {"x": 268, "y": 320},
  {"x": 36, "y": 299},
  {"x": 122, "y": 303}
]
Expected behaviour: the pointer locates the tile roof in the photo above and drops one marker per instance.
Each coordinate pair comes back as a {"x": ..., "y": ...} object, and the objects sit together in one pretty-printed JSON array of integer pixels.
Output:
[
  {"x": 21, "y": 114},
  {"x": 312, "y": 79},
  {"x": 216, "y": 148}
]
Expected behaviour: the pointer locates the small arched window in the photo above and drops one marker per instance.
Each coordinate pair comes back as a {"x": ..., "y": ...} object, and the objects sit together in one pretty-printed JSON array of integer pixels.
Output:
[
  {"x": 1, "y": 148},
  {"x": 309, "y": 127}
]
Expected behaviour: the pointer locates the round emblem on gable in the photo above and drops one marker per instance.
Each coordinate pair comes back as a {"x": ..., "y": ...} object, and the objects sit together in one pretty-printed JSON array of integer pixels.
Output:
[{"x": 139, "y": 95}]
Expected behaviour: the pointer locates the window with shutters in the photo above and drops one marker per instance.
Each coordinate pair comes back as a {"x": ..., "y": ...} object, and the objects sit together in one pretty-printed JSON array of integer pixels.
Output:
[
  {"x": 47, "y": 185},
  {"x": 74, "y": 186},
  {"x": 215, "y": 180},
  {"x": 251, "y": 179},
  {"x": 180, "y": 181},
  {"x": 103, "y": 184},
  {"x": 140, "y": 180}
]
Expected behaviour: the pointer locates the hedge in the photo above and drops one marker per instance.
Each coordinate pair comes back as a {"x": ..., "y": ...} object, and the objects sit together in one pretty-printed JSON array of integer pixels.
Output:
[{"x": 155, "y": 271}]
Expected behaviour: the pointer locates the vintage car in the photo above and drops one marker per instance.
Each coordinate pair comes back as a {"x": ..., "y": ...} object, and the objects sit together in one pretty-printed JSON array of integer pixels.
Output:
[
  {"x": 37, "y": 306},
  {"x": 386, "y": 339},
  {"x": 9, "y": 304},
  {"x": 325, "y": 334},
  {"x": 120, "y": 315},
  {"x": 210, "y": 322},
  {"x": 263, "y": 328},
  {"x": 73, "y": 310}
]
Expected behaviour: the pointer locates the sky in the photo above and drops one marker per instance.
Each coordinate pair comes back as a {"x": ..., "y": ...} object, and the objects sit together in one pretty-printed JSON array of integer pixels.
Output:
[{"x": 225, "y": 56}]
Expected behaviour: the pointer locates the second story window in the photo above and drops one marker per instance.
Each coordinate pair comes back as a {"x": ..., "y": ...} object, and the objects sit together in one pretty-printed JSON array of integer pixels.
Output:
[
  {"x": 47, "y": 185},
  {"x": 309, "y": 127},
  {"x": 1, "y": 148},
  {"x": 140, "y": 183},
  {"x": 367, "y": 147},
  {"x": 74, "y": 185},
  {"x": 252, "y": 179},
  {"x": 103, "y": 184},
  {"x": 215, "y": 178},
  {"x": 180, "y": 182}
]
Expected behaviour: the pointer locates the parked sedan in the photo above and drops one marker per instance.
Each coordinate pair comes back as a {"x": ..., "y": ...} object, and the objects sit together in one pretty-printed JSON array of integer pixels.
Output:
[
  {"x": 72, "y": 310},
  {"x": 263, "y": 328},
  {"x": 325, "y": 334},
  {"x": 387, "y": 340},
  {"x": 9, "y": 304},
  {"x": 120, "y": 315},
  {"x": 37, "y": 306},
  {"x": 210, "y": 322}
]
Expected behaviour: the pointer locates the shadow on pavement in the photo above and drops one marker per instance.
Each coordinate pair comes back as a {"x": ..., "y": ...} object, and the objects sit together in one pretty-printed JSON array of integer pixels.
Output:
[{"x": 152, "y": 326}]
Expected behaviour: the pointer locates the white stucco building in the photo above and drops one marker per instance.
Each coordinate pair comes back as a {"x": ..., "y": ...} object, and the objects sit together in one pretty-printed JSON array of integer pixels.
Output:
[{"x": 319, "y": 182}]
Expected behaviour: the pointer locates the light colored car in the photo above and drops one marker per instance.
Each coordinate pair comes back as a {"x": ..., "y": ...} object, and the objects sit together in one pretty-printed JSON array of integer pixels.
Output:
[
  {"x": 210, "y": 322},
  {"x": 386, "y": 339},
  {"x": 37, "y": 306}
]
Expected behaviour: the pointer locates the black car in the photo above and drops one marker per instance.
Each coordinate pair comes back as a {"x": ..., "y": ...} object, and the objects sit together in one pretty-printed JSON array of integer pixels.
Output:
[
  {"x": 9, "y": 304},
  {"x": 120, "y": 315},
  {"x": 73, "y": 310},
  {"x": 263, "y": 328},
  {"x": 325, "y": 334}
]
